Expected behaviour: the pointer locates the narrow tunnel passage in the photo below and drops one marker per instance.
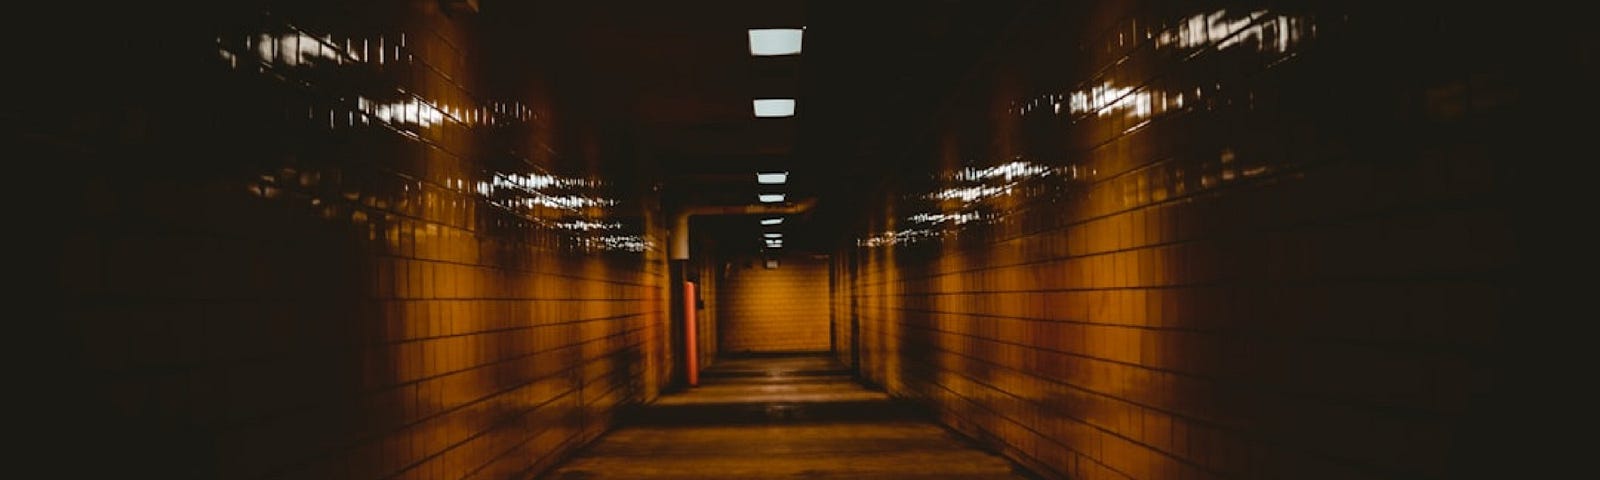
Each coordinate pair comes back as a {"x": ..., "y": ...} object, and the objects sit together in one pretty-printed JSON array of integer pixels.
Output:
[{"x": 503, "y": 239}]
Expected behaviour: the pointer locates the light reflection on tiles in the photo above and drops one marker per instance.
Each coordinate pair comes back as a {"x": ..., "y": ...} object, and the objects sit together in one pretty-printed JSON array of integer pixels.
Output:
[
  {"x": 1271, "y": 34},
  {"x": 1007, "y": 171},
  {"x": 283, "y": 54},
  {"x": 1125, "y": 101},
  {"x": 977, "y": 197},
  {"x": 583, "y": 225},
  {"x": 514, "y": 191},
  {"x": 953, "y": 218},
  {"x": 962, "y": 202},
  {"x": 577, "y": 212}
]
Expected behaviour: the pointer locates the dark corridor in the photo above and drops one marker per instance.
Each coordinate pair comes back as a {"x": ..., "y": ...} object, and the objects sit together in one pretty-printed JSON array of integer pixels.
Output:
[{"x": 496, "y": 239}]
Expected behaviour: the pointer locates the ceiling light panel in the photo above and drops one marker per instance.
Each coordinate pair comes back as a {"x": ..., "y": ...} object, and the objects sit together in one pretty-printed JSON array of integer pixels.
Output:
[
  {"x": 774, "y": 107},
  {"x": 772, "y": 178},
  {"x": 767, "y": 42}
]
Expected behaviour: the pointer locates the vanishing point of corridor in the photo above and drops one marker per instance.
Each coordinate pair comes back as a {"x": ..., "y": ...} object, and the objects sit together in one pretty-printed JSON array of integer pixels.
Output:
[{"x": 575, "y": 239}]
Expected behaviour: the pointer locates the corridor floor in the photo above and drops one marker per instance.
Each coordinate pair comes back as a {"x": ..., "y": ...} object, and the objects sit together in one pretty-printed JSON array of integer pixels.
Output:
[{"x": 781, "y": 417}]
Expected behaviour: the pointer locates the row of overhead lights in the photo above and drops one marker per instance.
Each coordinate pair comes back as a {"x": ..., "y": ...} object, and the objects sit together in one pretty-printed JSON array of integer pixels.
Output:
[
  {"x": 774, "y": 42},
  {"x": 772, "y": 239}
]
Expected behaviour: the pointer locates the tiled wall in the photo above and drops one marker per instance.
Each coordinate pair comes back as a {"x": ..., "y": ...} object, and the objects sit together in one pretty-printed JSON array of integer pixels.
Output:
[
  {"x": 326, "y": 245},
  {"x": 783, "y": 309},
  {"x": 1170, "y": 240}
]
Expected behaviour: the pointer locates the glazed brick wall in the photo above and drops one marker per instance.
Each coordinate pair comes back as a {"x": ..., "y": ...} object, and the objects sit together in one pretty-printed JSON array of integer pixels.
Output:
[
  {"x": 260, "y": 281},
  {"x": 784, "y": 309},
  {"x": 1302, "y": 272}
]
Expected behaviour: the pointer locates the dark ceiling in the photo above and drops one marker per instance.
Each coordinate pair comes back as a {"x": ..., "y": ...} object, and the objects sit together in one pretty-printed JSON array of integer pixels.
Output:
[{"x": 679, "y": 78}]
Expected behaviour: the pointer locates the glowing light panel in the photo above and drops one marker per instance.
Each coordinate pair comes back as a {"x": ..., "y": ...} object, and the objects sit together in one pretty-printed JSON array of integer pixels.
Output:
[
  {"x": 774, "y": 107},
  {"x": 772, "y": 178},
  {"x": 765, "y": 42}
]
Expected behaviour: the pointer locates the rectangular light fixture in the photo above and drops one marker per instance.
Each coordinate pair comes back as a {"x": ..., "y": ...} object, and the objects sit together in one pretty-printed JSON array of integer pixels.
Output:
[
  {"x": 772, "y": 221},
  {"x": 774, "y": 107},
  {"x": 766, "y": 42},
  {"x": 772, "y": 235},
  {"x": 772, "y": 178},
  {"x": 770, "y": 197},
  {"x": 775, "y": 245}
]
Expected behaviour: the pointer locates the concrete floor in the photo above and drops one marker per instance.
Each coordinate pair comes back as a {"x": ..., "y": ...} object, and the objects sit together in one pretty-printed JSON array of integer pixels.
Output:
[{"x": 781, "y": 417}]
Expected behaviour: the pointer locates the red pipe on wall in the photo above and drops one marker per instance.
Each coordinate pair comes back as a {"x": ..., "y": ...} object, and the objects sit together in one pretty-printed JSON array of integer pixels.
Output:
[{"x": 691, "y": 332}]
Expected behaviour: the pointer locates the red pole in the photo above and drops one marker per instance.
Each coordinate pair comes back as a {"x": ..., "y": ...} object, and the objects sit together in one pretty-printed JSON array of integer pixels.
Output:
[{"x": 691, "y": 332}]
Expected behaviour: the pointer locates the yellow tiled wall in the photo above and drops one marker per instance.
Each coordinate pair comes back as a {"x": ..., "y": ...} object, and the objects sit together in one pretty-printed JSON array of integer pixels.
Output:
[
  {"x": 319, "y": 252},
  {"x": 782, "y": 309},
  {"x": 1203, "y": 242}
]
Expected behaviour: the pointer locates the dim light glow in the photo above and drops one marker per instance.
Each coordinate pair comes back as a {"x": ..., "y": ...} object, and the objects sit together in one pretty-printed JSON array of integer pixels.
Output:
[
  {"x": 772, "y": 221},
  {"x": 774, "y": 107},
  {"x": 772, "y": 235},
  {"x": 772, "y": 178},
  {"x": 771, "y": 197},
  {"x": 766, "y": 42}
]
